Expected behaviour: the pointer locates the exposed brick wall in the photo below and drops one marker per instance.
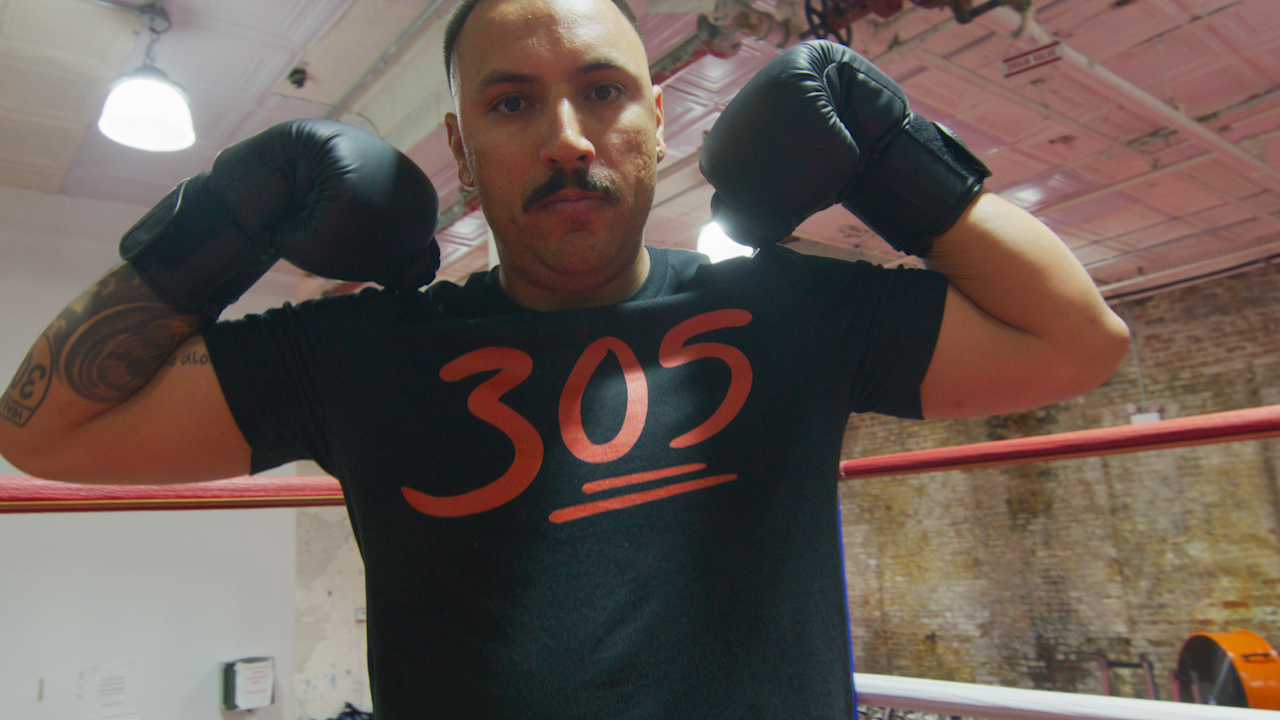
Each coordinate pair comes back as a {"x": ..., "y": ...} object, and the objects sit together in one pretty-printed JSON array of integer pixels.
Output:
[{"x": 1020, "y": 576}]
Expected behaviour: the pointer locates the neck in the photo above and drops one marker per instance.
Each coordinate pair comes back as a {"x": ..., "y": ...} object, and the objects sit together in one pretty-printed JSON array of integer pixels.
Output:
[{"x": 575, "y": 292}]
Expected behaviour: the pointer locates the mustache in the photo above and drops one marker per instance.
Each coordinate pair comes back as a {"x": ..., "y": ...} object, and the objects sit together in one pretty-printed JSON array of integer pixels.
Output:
[{"x": 560, "y": 179}]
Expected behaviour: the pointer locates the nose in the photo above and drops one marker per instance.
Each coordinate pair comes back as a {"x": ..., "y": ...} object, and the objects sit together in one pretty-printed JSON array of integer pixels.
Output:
[{"x": 566, "y": 145}]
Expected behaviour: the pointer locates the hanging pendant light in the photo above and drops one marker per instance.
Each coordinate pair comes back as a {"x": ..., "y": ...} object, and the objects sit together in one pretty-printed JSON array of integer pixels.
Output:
[
  {"x": 145, "y": 109},
  {"x": 148, "y": 111}
]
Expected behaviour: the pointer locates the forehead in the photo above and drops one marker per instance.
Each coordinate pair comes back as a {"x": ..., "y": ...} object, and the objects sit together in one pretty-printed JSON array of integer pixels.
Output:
[{"x": 523, "y": 35}]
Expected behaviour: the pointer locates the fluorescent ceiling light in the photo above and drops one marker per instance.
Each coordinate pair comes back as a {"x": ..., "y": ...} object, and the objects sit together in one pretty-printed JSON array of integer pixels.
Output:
[
  {"x": 146, "y": 110},
  {"x": 713, "y": 243}
]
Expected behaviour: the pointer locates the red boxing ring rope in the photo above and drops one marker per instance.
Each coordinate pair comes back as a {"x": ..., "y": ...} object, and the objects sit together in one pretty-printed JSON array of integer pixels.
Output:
[
  {"x": 23, "y": 494},
  {"x": 1251, "y": 424}
]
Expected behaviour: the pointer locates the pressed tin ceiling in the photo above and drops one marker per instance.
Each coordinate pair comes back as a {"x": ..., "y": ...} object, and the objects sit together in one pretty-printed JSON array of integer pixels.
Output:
[{"x": 1151, "y": 144}]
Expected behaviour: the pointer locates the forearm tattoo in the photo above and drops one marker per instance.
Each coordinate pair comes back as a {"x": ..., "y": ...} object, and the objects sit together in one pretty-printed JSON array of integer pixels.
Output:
[{"x": 105, "y": 346}]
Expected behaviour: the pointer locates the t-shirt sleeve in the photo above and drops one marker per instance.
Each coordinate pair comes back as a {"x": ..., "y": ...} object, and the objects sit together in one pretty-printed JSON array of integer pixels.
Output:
[
  {"x": 904, "y": 315},
  {"x": 269, "y": 385},
  {"x": 885, "y": 324}
]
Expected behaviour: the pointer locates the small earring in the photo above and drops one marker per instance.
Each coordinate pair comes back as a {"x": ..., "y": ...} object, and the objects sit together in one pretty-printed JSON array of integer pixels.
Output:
[{"x": 662, "y": 152}]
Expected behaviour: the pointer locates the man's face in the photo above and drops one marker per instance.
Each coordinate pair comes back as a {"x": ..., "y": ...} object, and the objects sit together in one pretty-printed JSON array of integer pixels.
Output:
[{"x": 559, "y": 129}]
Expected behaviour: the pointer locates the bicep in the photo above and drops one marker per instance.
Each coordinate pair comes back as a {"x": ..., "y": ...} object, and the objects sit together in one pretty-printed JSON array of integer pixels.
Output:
[
  {"x": 982, "y": 366},
  {"x": 177, "y": 428}
]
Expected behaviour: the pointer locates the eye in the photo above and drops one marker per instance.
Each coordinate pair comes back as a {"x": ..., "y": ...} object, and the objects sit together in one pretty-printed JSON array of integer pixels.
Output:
[
  {"x": 605, "y": 93},
  {"x": 509, "y": 105}
]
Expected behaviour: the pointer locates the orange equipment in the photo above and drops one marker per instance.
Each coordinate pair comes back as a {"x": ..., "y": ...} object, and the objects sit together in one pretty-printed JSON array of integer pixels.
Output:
[{"x": 1235, "y": 669}]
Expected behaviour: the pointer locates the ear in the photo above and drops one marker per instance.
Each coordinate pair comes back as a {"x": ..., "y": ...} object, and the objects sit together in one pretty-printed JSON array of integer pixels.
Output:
[
  {"x": 459, "y": 150},
  {"x": 657, "y": 101}
]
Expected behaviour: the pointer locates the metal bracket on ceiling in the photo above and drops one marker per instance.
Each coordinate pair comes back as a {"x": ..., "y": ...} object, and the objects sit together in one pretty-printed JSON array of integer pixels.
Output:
[
  {"x": 833, "y": 19},
  {"x": 152, "y": 14}
]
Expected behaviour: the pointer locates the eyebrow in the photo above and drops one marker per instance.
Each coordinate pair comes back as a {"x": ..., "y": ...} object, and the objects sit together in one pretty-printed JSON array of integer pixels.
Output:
[
  {"x": 601, "y": 65},
  {"x": 500, "y": 77}
]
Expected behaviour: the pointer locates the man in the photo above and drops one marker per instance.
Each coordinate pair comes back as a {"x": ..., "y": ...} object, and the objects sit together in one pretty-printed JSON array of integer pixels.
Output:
[{"x": 598, "y": 481}]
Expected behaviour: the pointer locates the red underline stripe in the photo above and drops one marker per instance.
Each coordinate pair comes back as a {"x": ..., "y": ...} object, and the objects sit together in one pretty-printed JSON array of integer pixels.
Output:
[
  {"x": 576, "y": 512},
  {"x": 635, "y": 478}
]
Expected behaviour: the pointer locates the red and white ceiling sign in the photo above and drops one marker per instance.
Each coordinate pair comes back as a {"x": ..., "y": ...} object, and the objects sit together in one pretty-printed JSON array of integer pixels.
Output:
[{"x": 1032, "y": 59}]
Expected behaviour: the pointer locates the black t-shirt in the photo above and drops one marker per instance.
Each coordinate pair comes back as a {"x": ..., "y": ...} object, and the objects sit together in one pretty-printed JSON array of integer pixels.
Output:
[{"x": 616, "y": 512}]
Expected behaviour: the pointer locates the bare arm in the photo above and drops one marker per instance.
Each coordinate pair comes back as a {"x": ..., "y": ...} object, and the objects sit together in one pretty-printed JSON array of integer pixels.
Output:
[
  {"x": 1024, "y": 325},
  {"x": 119, "y": 389}
]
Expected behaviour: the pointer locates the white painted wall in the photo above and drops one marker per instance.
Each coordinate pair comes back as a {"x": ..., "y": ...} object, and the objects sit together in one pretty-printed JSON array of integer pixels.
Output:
[
  {"x": 331, "y": 665},
  {"x": 169, "y": 595}
]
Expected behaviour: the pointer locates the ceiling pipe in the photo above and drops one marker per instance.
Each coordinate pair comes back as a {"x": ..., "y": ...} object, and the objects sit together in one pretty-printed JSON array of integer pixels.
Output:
[
  {"x": 679, "y": 56},
  {"x": 1013, "y": 96},
  {"x": 1112, "y": 84},
  {"x": 389, "y": 55},
  {"x": 1169, "y": 115},
  {"x": 1129, "y": 182},
  {"x": 992, "y": 86},
  {"x": 720, "y": 35},
  {"x": 1101, "y": 78},
  {"x": 898, "y": 48}
]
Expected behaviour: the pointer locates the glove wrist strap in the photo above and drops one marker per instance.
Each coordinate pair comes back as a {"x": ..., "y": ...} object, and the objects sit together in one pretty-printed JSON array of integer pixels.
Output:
[
  {"x": 917, "y": 187},
  {"x": 192, "y": 252}
]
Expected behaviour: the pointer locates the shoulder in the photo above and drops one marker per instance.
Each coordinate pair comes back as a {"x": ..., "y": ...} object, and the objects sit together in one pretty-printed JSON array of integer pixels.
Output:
[
  {"x": 677, "y": 261},
  {"x": 823, "y": 272},
  {"x": 781, "y": 268},
  {"x": 336, "y": 313},
  {"x": 824, "y": 286},
  {"x": 443, "y": 298},
  {"x": 671, "y": 270},
  {"x": 777, "y": 264}
]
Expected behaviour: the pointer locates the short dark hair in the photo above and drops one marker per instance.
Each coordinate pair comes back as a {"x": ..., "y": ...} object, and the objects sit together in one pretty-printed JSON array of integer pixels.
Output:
[{"x": 463, "y": 11}]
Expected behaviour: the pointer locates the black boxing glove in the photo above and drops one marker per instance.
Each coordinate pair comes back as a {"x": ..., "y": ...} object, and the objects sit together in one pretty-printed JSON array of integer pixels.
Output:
[
  {"x": 329, "y": 198},
  {"x": 819, "y": 124}
]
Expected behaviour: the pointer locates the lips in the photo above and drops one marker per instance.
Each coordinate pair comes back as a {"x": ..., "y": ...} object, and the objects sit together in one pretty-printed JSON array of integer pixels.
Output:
[{"x": 573, "y": 203}]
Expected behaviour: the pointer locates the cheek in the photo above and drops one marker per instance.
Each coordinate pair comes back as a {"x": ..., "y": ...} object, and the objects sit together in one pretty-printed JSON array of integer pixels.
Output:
[
  {"x": 480, "y": 162},
  {"x": 638, "y": 147},
  {"x": 495, "y": 174},
  {"x": 493, "y": 153},
  {"x": 642, "y": 135}
]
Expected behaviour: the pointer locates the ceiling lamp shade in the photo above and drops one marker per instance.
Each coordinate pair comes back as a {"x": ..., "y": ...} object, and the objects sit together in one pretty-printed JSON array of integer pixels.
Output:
[{"x": 148, "y": 111}]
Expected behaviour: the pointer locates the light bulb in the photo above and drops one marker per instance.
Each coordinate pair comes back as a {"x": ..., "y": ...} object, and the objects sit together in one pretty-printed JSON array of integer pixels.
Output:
[
  {"x": 146, "y": 110},
  {"x": 713, "y": 243}
]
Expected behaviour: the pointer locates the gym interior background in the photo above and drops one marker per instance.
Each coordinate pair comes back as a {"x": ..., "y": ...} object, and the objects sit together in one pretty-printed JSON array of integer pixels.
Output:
[{"x": 1148, "y": 137}]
